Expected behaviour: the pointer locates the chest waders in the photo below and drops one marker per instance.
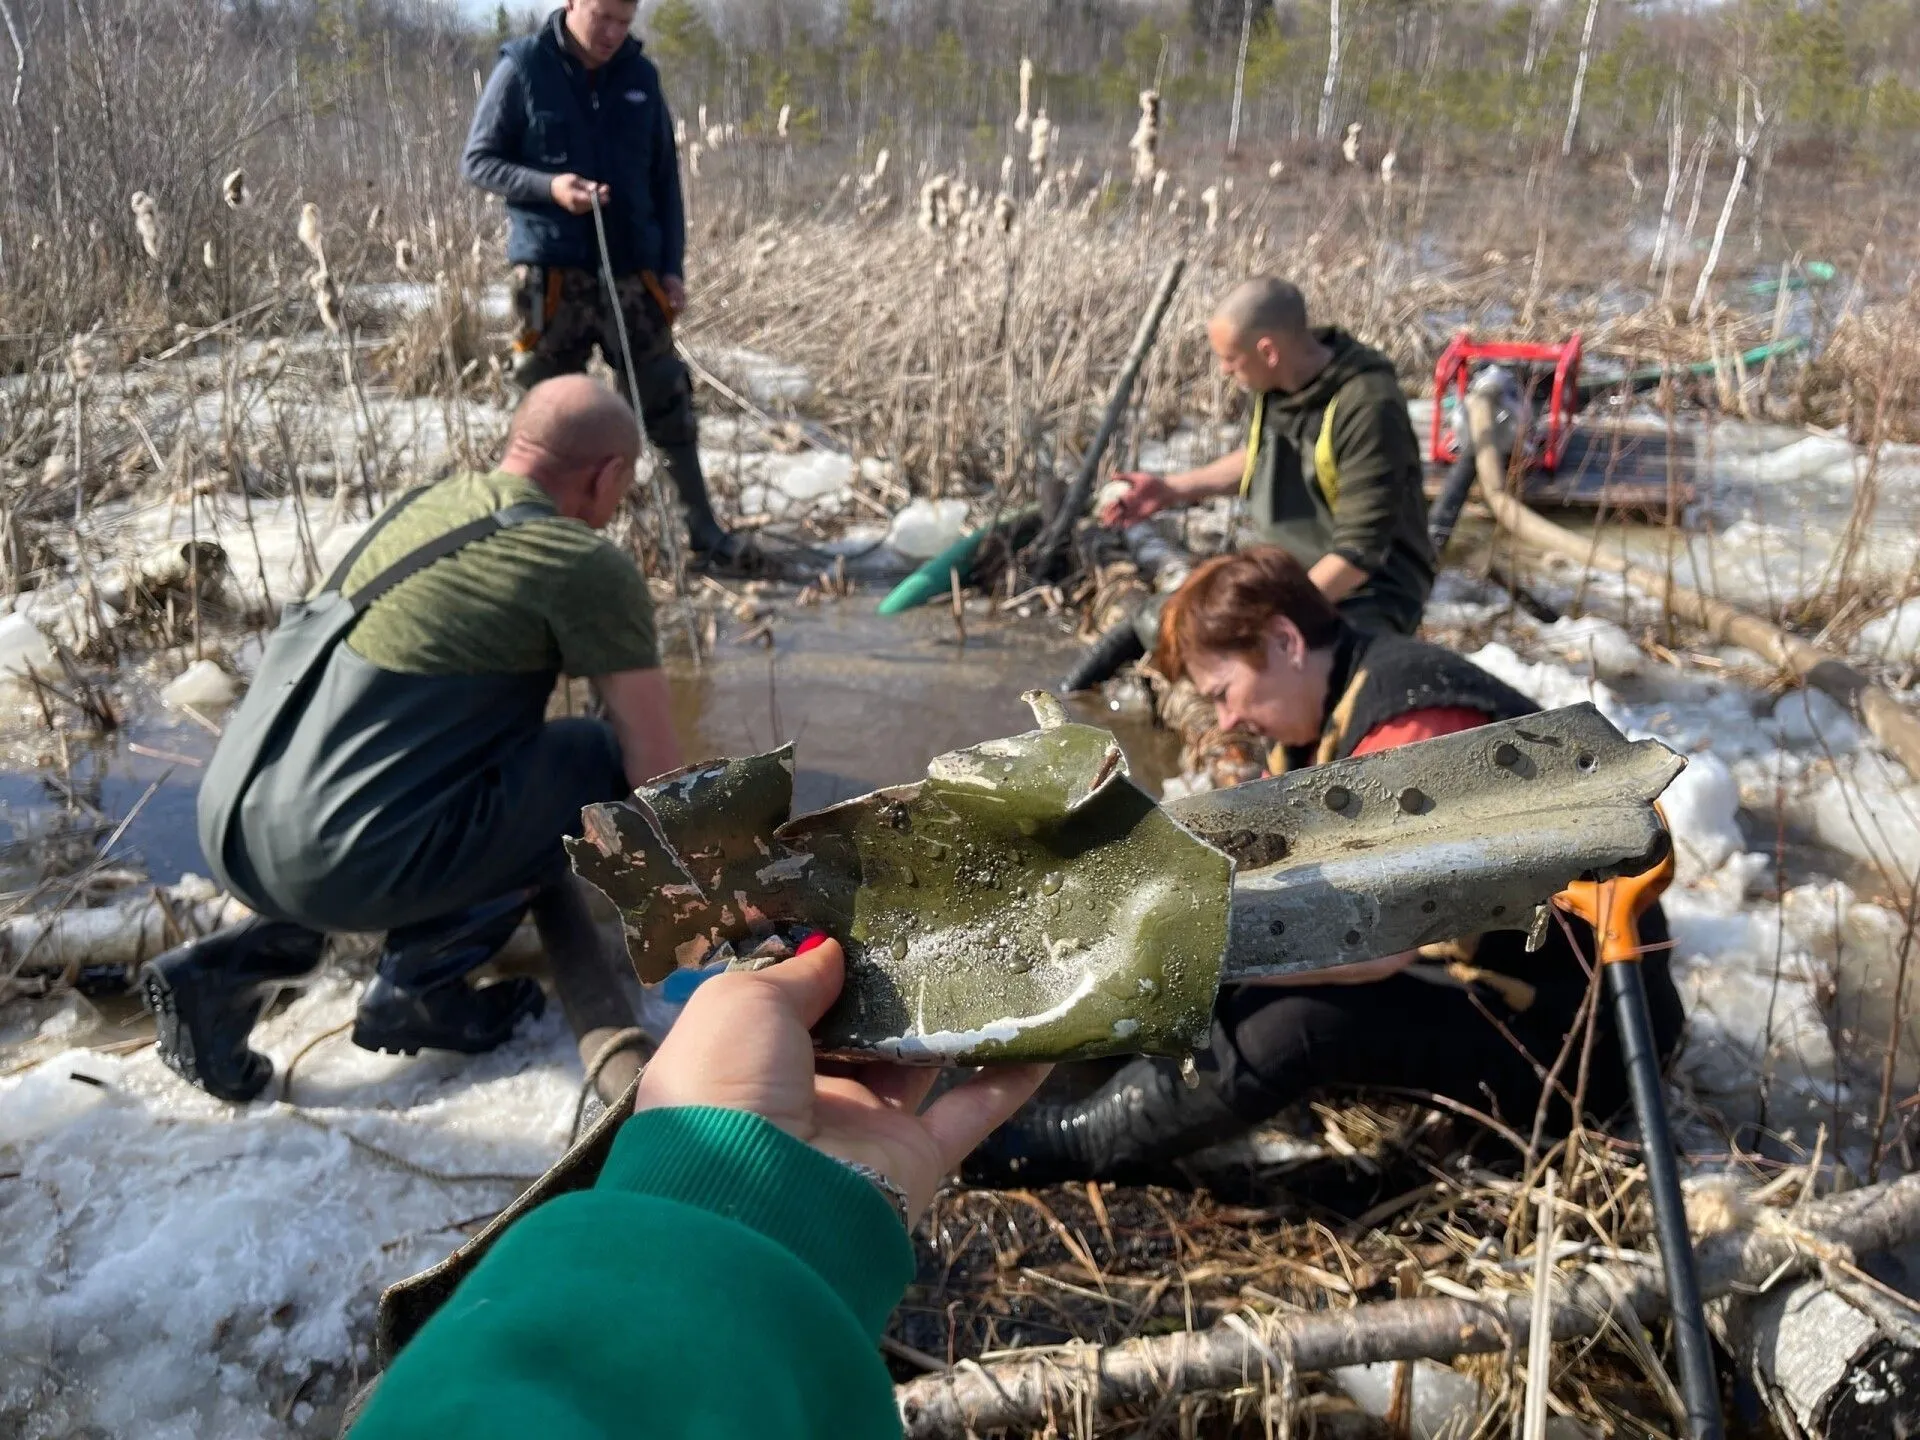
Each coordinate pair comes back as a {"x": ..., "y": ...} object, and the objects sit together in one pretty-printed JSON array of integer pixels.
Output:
[{"x": 303, "y": 650}]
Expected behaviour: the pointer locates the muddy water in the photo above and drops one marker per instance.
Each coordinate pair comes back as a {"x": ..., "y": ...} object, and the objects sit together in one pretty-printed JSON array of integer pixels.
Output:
[
  {"x": 866, "y": 701},
  {"x": 869, "y": 701}
]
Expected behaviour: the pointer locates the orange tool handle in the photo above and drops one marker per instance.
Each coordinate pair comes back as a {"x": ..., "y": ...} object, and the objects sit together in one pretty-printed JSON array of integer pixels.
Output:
[{"x": 1614, "y": 907}]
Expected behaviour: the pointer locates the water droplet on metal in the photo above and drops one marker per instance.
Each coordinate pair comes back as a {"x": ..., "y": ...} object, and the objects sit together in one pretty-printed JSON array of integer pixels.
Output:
[
  {"x": 1189, "y": 1072},
  {"x": 898, "y": 950},
  {"x": 1019, "y": 964},
  {"x": 1052, "y": 883},
  {"x": 907, "y": 877}
]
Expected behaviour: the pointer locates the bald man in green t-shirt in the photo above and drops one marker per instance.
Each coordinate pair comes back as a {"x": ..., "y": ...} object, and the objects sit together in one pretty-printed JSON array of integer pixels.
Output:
[{"x": 392, "y": 768}]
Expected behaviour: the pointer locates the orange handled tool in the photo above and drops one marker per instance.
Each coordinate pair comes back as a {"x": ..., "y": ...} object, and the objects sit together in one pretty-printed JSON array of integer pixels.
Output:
[{"x": 1613, "y": 908}]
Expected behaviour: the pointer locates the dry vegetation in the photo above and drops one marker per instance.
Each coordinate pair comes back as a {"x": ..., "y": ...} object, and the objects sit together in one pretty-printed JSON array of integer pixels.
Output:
[{"x": 210, "y": 350}]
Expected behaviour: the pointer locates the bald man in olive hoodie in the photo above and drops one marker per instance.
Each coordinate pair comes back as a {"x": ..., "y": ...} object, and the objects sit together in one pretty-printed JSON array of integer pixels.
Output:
[{"x": 1331, "y": 469}]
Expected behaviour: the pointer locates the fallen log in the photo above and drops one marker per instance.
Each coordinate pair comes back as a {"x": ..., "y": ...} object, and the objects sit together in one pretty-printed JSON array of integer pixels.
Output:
[
  {"x": 46, "y": 943},
  {"x": 1885, "y": 717},
  {"x": 1840, "y": 1361},
  {"x": 1252, "y": 1346},
  {"x": 64, "y": 942},
  {"x": 1043, "y": 557}
]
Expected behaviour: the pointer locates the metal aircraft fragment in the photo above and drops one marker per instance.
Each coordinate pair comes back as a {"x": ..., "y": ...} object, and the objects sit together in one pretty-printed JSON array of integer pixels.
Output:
[{"x": 1027, "y": 901}]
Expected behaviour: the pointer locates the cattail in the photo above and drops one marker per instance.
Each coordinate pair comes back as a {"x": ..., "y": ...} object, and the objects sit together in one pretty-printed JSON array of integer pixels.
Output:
[
  {"x": 867, "y": 182},
  {"x": 1179, "y": 199},
  {"x": 1210, "y": 198},
  {"x": 1006, "y": 172},
  {"x": 1025, "y": 117},
  {"x": 1350, "y": 146},
  {"x": 374, "y": 217},
  {"x": 403, "y": 255},
  {"x": 477, "y": 251},
  {"x": 209, "y": 258},
  {"x": 1159, "y": 182},
  {"x": 693, "y": 158},
  {"x": 309, "y": 233},
  {"x": 53, "y": 470},
  {"x": 703, "y": 120},
  {"x": 781, "y": 122},
  {"x": 1387, "y": 162},
  {"x": 1040, "y": 143},
  {"x": 716, "y": 138},
  {"x": 326, "y": 297},
  {"x": 146, "y": 223},
  {"x": 233, "y": 189},
  {"x": 1003, "y": 212},
  {"x": 933, "y": 203},
  {"x": 80, "y": 359},
  {"x": 1145, "y": 143},
  {"x": 679, "y": 134},
  {"x": 36, "y": 244},
  {"x": 1276, "y": 169}
]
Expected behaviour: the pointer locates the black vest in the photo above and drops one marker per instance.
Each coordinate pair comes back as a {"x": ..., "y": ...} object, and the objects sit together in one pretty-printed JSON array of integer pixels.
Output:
[{"x": 1377, "y": 678}]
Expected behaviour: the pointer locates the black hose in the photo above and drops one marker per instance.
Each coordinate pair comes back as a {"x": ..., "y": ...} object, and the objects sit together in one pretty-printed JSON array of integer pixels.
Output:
[
  {"x": 1102, "y": 659},
  {"x": 1698, "y": 1383},
  {"x": 1445, "y": 513}
]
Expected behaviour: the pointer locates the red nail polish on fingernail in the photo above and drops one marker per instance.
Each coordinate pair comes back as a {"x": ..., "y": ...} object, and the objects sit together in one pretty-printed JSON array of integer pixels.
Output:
[{"x": 812, "y": 942}]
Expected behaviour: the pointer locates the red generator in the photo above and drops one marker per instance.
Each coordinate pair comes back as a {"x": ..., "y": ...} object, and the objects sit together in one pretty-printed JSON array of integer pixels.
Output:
[{"x": 1552, "y": 369}]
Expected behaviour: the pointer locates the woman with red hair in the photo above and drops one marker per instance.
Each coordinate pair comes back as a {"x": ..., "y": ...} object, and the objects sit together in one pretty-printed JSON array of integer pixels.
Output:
[{"x": 1478, "y": 1020}]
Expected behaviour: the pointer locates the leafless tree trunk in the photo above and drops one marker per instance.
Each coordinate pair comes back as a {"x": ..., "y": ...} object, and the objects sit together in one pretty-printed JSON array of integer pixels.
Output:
[
  {"x": 1676, "y": 150},
  {"x": 1325, "y": 129},
  {"x": 19, "y": 53},
  {"x": 1240, "y": 77},
  {"x": 1744, "y": 140},
  {"x": 1579, "y": 79}
]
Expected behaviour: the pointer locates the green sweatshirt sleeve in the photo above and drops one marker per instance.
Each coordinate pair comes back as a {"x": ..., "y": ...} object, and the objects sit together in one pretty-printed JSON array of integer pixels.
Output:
[
  {"x": 722, "y": 1279},
  {"x": 1378, "y": 458}
]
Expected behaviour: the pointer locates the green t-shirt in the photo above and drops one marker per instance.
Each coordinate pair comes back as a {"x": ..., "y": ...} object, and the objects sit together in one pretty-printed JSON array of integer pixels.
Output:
[{"x": 542, "y": 595}]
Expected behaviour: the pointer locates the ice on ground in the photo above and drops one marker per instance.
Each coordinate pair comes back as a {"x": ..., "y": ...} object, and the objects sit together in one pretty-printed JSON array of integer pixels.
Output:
[
  {"x": 23, "y": 646},
  {"x": 1867, "y": 806},
  {"x": 1601, "y": 646},
  {"x": 1894, "y": 636},
  {"x": 1811, "y": 457},
  {"x": 203, "y": 685},
  {"x": 924, "y": 527},
  {"x": 173, "y": 1266},
  {"x": 1550, "y": 685},
  {"x": 1814, "y": 721},
  {"x": 1702, "y": 807},
  {"x": 765, "y": 380}
]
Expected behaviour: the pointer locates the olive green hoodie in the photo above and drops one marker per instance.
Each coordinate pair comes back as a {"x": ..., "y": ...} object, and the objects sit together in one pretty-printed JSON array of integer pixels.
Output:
[{"x": 1358, "y": 495}]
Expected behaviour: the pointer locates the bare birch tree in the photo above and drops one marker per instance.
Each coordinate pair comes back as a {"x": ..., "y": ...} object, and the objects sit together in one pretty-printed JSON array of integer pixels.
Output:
[
  {"x": 1580, "y": 78},
  {"x": 1325, "y": 129},
  {"x": 1240, "y": 77},
  {"x": 1745, "y": 138}
]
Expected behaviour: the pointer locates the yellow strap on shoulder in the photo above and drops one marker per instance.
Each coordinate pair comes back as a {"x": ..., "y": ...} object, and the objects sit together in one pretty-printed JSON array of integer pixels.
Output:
[
  {"x": 1324, "y": 467},
  {"x": 1253, "y": 445}
]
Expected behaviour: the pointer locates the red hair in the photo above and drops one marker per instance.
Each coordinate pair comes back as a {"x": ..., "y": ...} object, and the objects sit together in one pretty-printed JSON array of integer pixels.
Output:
[{"x": 1227, "y": 605}]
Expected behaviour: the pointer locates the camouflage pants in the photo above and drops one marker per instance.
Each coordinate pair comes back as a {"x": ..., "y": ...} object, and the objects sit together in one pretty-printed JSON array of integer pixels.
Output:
[{"x": 563, "y": 314}]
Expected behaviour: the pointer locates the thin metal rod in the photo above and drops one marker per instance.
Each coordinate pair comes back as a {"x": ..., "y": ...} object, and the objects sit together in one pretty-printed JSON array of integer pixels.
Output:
[{"x": 669, "y": 536}]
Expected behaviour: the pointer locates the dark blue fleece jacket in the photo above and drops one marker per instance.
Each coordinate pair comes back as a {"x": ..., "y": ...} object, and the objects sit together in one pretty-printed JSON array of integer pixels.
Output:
[{"x": 543, "y": 114}]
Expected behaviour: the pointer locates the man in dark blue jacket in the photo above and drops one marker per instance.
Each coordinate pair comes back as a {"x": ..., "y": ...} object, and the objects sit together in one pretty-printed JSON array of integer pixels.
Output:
[{"x": 572, "y": 112}]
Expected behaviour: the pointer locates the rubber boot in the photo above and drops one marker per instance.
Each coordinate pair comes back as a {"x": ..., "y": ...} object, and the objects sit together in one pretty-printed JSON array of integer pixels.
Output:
[
  {"x": 419, "y": 998},
  {"x": 206, "y": 995},
  {"x": 453, "y": 1015},
  {"x": 588, "y": 983},
  {"x": 709, "y": 545},
  {"x": 1143, "y": 1117}
]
